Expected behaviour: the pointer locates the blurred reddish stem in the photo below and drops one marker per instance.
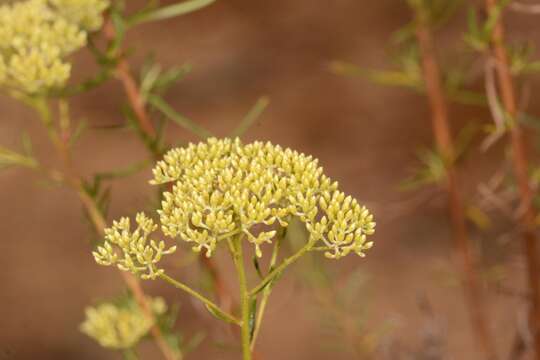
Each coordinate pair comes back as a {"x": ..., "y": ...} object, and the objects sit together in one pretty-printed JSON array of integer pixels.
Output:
[
  {"x": 443, "y": 138},
  {"x": 133, "y": 94},
  {"x": 521, "y": 165},
  {"x": 60, "y": 139}
]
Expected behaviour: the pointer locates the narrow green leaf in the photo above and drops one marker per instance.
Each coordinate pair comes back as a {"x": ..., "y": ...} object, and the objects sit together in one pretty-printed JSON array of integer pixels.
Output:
[
  {"x": 252, "y": 317},
  {"x": 11, "y": 158},
  {"x": 251, "y": 117},
  {"x": 181, "y": 120},
  {"x": 217, "y": 315},
  {"x": 257, "y": 267},
  {"x": 392, "y": 78},
  {"x": 170, "y": 11}
]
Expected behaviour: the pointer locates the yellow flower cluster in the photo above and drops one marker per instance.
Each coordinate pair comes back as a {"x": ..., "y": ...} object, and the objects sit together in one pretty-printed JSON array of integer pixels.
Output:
[
  {"x": 120, "y": 326},
  {"x": 87, "y": 14},
  {"x": 139, "y": 255},
  {"x": 223, "y": 188},
  {"x": 37, "y": 35}
]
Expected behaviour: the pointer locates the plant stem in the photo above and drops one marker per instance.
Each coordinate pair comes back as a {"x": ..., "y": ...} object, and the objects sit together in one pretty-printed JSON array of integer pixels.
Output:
[
  {"x": 443, "y": 138},
  {"x": 74, "y": 181},
  {"x": 267, "y": 290},
  {"x": 274, "y": 273},
  {"x": 245, "y": 298},
  {"x": 211, "y": 305},
  {"x": 521, "y": 165},
  {"x": 130, "y": 354}
]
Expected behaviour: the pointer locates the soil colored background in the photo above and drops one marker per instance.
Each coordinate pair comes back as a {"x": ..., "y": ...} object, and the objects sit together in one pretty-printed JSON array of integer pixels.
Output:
[{"x": 365, "y": 135}]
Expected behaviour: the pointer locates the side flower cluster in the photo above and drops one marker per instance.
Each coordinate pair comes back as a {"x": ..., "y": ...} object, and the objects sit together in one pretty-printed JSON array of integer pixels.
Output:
[
  {"x": 120, "y": 326},
  {"x": 139, "y": 254},
  {"x": 223, "y": 188},
  {"x": 37, "y": 35}
]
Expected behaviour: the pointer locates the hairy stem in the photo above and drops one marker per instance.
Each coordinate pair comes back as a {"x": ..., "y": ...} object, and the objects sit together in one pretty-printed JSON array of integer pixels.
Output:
[
  {"x": 520, "y": 165},
  {"x": 443, "y": 138}
]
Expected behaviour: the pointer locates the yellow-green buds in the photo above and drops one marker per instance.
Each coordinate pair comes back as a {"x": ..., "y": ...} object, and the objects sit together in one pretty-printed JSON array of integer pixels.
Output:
[
  {"x": 87, "y": 14},
  {"x": 132, "y": 250},
  {"x": 222, "y": 188},
  {"x": 35, "y": 38},
  {"x": 120, "y": 326}
]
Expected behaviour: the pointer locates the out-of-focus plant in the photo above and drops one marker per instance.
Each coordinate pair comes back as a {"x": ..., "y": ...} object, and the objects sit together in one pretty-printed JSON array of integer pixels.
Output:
[
  {"x": 229, "y": 194},
  {"x": 503, "y": 63},
  {"x": 420, "y": 70},
  {"x": 120, "y": 325},
  {"x": 36, "y": 39}
]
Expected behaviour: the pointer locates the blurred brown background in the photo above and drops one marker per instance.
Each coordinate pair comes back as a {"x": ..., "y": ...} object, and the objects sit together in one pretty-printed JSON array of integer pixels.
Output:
[{"x": 365, "y": 136}]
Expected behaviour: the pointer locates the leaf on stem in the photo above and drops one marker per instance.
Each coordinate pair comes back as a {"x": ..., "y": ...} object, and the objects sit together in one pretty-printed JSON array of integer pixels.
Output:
[
  {"x": 170, "y": 11},
  {"x": 218, "y": 315},
  {"x": 252, "y": 317},
  {"x": 251, "y": 117},
  {"x": 179, "y": 119},
  {"x": 12, "y": 158}
]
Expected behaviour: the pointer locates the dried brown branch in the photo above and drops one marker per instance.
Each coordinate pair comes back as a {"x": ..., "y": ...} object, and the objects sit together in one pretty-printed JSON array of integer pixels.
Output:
[
  {"x": 443, "y": 138},
  {"x": 521, "y": 165}
]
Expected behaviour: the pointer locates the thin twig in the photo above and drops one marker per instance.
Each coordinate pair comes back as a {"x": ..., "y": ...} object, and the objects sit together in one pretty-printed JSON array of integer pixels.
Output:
[
  {"x": 441, "y": 130},
  {"x": 521, "y": 166}
]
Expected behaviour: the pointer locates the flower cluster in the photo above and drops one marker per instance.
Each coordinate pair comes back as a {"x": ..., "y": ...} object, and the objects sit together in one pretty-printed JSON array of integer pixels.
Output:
[
  {"x": 87, "y": 14},
  {"x": 37, "y": 35},
  {"x": 120, "y": 326},
  {"x": 139, "y": 255},
  {"x": 223, "y": 188}
]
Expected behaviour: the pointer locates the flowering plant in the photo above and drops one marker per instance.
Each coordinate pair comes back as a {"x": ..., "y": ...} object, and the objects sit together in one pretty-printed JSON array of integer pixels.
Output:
[{"x": 226, "y": 192}]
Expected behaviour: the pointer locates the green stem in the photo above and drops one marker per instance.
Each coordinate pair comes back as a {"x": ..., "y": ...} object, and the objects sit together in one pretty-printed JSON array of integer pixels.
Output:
[
  {"x": 267, "y": 290},
  {"x": 288, "y": 261},
  {"x": 211, "y": 305},
  {"x": 130, "y": 354},
  {"x": 42, "y": 108},
  {"x": 245, "y": 298}
]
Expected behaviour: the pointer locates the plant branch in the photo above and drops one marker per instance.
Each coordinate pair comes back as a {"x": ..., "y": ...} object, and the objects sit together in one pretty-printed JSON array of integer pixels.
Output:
[
  {"x": 211, "y": 305},
  {"x": 245, "y": 297},
  {"x": 521, "y": 166},
  {"x": 267, "y": 290},
  {"x": 278, "y": 270},
  {"x": 74, "y": 181},
  {"x": 443, "y": 138}
]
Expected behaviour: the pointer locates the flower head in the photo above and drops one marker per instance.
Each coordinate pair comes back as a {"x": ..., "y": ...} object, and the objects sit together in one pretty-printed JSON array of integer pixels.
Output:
[
  {"x": 138, "y": 254},
  {"x": 120, "y": 325},
  {"x": 87, "y": 14},
  {"x": 223, "y": 188},
  {"x": 35, "y": 38}
]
